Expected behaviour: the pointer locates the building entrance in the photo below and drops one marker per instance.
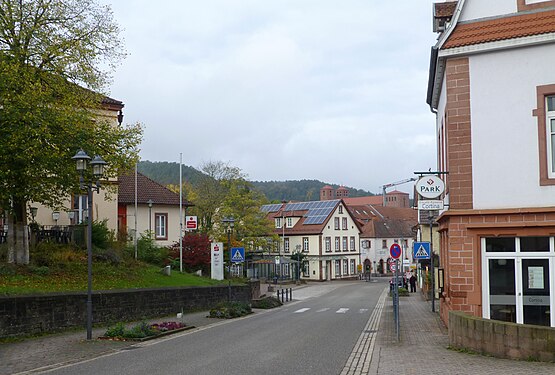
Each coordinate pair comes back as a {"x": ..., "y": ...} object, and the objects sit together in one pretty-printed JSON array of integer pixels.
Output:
[{"x": 517, "y": 279}]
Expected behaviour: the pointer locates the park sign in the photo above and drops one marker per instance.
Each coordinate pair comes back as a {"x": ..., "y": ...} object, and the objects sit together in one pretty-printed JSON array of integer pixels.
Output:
[
  {"x": 217, "y": 260},
  {"x": 430, "y": 186}
]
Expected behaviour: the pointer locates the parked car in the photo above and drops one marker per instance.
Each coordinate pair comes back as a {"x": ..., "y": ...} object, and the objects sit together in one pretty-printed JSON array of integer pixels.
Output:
[{"x": 400, "y": 283}]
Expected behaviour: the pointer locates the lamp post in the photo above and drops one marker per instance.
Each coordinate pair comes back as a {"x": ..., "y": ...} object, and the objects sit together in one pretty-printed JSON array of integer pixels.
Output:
[
  {"x": 56, "y": 216},
  {"x": 150, "y": 202},
  {"x": 229, "y": 222},
  {"x": 431, "y": 218},
  {"x": 98, "y": 164},
  {"x": 33, "y": 211}
]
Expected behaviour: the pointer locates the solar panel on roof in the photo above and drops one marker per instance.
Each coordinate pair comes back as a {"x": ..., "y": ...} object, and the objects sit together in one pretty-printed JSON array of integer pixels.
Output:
[{"x": 270, "y": 207}]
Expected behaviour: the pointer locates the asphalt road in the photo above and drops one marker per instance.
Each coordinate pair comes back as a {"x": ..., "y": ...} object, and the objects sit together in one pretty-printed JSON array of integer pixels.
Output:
[{"x": 315, "y": 334}]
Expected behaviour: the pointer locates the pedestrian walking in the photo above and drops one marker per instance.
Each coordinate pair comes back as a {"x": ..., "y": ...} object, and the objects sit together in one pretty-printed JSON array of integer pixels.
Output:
[{"x": 412, "y": 282}]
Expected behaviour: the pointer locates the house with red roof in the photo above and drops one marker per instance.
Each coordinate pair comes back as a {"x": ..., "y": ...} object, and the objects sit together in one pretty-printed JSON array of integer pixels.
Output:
[
  {"x": 492, "y": 88},
  {"x": 151, "y": 207},
  {"x": 381, "y": 227},
  {"x": 324, "y": 231}
]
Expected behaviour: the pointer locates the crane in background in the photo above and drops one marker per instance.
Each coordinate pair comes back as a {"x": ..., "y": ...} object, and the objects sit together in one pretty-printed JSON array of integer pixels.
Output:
[{"x": 384, "y": 187}]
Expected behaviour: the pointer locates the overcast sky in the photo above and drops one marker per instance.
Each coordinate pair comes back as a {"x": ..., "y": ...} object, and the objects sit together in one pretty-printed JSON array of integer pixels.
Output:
[{"x": 284, "y": 90}]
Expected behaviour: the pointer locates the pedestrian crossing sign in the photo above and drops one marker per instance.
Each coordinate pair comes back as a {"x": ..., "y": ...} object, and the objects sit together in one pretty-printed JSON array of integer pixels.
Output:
[
  {"x": 237, "y": 254},
  {"x": 421, "y": 250}
]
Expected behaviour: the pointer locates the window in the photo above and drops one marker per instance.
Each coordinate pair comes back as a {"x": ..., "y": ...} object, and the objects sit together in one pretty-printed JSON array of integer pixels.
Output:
[
  {"x": 344, "y": 223},
  {"x": 328, "y": 244},
  {"x": 353, "y": 266},
  {"x": 286, "y": 245},
  {"x": 346, "y": 267},
  {"x": 352, "y": 243},
  {"x": 345, "y": 248},
  {"x": 337, "y": 268},
  {"x": 306, "y": 269},
  {"x": 278, "y": 222},
  {"x": 336, "y": 223},
  {"x": 286, "y": 269},
  {"x": 550, "y": 126},
  {"x": 545, "y": 112},
  {"x": 289, "y": 222},
  {"x": 337, "y": 244},
  {"x": 160, "y": 226},
  {"x": 340, "y": 209},
  {"x": 305, "y": 243},
  {"x": 384, "y": 244}
]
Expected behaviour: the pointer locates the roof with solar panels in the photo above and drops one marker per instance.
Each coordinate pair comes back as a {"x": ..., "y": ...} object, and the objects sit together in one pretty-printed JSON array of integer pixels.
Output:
[{"x": 311, "y": 217}]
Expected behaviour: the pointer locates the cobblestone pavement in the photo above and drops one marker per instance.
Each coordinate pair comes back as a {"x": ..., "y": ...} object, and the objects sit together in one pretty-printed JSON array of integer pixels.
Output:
[{"x": 423, "y": 347}]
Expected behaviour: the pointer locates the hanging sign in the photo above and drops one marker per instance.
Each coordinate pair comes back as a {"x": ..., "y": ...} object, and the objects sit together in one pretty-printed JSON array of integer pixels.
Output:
[{"x": 430, "y": 186}]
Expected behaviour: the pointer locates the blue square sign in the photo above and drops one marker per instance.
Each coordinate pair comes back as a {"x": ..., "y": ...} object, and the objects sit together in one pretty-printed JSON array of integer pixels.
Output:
[
  {"x": 237, "y": 254},
  {"x": 421, "y": 250}
]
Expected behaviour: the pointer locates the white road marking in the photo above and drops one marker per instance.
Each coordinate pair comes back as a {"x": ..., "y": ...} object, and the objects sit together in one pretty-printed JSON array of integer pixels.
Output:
[
  {"x": 342, "y": 310},
  {"x": 324, "y": 309},
  {"x": 302, "y": 310},
  {"x": 362, "y": 311}
]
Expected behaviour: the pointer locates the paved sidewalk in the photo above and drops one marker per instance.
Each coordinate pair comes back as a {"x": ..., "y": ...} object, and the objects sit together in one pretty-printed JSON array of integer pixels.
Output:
[{"x": 423, "y": 347}]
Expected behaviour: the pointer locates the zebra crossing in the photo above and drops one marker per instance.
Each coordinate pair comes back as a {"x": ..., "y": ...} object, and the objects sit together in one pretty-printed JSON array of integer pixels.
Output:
[{"x": 341, "y": 310}]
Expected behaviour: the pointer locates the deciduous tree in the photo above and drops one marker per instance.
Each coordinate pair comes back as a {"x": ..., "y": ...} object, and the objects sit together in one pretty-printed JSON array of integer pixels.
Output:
[{"x": 55, "y": 58}]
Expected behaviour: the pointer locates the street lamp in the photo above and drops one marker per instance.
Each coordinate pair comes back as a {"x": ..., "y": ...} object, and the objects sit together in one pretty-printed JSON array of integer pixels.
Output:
[
  {"x": 33, "y": 211},
  {"x": 56, "y": 216},
  {"x": 229, "y": 222},
  {"x": 431, "y": 218},
  {"x": 150, "y": 202},
  {"x": 81, "y": 159}
]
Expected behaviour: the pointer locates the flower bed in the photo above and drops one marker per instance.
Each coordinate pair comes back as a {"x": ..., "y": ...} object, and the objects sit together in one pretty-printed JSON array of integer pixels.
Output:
[{"x": 143, "y": 331}]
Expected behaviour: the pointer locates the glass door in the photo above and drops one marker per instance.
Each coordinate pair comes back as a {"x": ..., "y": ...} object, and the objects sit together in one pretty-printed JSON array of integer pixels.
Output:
[
  {"x": 535, "y": 292},
  {"x": 502, "y": 290}
]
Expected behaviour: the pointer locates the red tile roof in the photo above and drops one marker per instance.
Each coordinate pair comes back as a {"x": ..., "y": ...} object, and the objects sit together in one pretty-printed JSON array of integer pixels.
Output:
[
  {"x": 518, "y": 26},
  {"x": 146, "y": 189}
]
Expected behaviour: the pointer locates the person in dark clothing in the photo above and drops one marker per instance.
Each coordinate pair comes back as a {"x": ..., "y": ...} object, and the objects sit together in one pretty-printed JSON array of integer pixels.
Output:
[{"x": 412, "y": 282}]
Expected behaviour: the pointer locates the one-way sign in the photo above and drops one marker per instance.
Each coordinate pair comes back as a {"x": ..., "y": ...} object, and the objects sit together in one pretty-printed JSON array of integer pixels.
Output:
[
  {"x": 421, "y": 250},
  {"x": 237, "y": 254}
]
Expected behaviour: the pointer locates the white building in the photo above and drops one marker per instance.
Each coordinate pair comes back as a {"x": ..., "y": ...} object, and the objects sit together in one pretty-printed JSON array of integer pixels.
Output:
[
  {"x": 157, "y": 209},
  {"x": 492, "y": 87},
  {"x": 324, "y": 231}
]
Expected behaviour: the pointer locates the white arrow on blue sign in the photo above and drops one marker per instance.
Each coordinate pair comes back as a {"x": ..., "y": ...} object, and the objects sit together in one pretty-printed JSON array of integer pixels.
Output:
[
  {"x": 237, "y": 254},
  {"x": 421, "y": 250}
]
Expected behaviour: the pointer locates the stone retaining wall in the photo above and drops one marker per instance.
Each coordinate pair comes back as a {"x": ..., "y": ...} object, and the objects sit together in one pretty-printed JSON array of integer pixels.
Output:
[
  {"x": 501, "y": 339},
  {"x": 34, "y": 314}
]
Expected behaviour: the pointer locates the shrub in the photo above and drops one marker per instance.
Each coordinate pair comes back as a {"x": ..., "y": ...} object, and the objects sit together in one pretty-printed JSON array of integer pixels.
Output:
[
  {"x": 141, "y": 330},
  {"x": 266, "y": 303},
  {"x": 102, "y": 237},
  {"x": 41, "y": 271},
  {"x": 148, "y": 251},
  {"x": 116, "y": 331},
  {"x": 230, "y": 310},
  {"x": 8, "y": 269}
]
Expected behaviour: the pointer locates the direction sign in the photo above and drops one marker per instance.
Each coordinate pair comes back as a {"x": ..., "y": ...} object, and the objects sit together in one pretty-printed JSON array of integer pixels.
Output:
[
  {"x": 421, "y": 250},
  {"x": 237, "y": 254},
  {"x": 190, "y": 222},
  {"x": 395, "y": 250}
]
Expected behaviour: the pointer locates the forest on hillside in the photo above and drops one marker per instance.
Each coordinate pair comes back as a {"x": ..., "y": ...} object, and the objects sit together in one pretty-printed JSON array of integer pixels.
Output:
[{"x": 167, "y": 173}]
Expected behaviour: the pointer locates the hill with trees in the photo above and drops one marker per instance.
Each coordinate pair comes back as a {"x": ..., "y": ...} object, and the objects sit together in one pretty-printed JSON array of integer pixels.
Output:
[{"x": 167, "y": 173}]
